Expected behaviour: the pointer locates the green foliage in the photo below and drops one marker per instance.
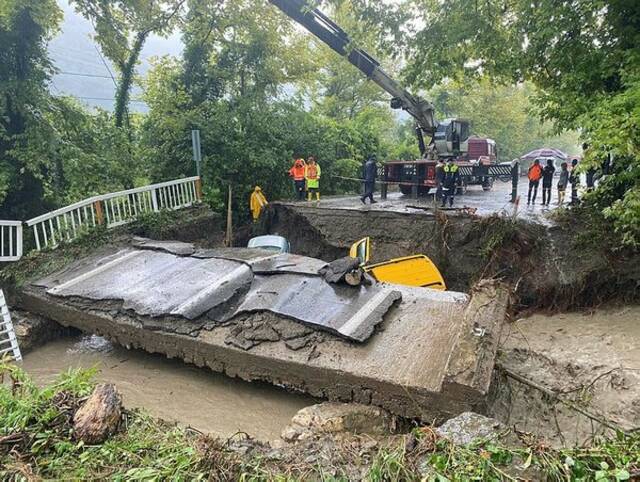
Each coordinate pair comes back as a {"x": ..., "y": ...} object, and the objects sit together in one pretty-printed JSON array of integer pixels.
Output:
[
  {"x": 502, "y": 113},
  {"x": 154, "y": 224},
  {"x": 229, "y": 85},
  {"x": 42, "y": 419},
  {"x": 25, "y": 27}
]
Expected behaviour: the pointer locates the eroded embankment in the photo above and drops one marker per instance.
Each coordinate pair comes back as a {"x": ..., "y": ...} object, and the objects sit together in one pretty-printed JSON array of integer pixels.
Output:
[
  {"x": 576, "y": 374},
  {"x": 544, "y": 264}
]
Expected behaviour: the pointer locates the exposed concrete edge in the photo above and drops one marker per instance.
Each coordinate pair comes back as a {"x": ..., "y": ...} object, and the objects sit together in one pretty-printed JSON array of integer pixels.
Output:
[
  {"x": 331, "y": 210},
  {"x": 318, "y": 381},
  {"x": 471, "y": 364}
]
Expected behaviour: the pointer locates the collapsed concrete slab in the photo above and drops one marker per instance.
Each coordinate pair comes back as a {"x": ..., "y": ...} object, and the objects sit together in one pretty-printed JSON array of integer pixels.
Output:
[
  {"x": 157, "y": 283},
  {"x": 430, "y": 357}
]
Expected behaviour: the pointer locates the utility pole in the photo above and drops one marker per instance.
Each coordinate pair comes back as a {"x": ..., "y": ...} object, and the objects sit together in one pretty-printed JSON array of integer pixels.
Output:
[
  {"x": 229, "y": 233},
  {"x": 197, "y": 151}
]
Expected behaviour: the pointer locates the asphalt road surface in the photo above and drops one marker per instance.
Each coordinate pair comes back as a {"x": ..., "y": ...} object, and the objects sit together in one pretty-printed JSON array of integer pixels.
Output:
[{"x": 482, "y": 203}]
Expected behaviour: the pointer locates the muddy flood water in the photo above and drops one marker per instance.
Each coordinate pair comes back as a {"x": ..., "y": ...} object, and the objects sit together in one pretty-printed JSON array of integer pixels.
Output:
[{"x": 172, "y": 390}]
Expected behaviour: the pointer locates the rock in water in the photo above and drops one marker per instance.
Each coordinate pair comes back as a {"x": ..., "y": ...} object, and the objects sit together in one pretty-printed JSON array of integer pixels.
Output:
[
  {"x": 469, "y": 426},
  {"x": 99, "y": 416},
  {"x": 334, "y": 418}
]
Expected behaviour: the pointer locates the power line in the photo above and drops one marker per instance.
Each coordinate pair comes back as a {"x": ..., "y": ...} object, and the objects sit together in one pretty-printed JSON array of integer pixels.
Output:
[
  {"x": 104, "y": 98},
  {"x": 80, "y": 74},
  {"x": 53, "y": 84},
  {"x": 106, "y": 65}
]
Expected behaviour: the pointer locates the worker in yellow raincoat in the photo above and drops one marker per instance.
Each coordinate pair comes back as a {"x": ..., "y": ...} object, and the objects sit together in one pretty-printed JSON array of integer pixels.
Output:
[
  {"x": 257, "y": 203},
  {"x": 312, "y": 176}
]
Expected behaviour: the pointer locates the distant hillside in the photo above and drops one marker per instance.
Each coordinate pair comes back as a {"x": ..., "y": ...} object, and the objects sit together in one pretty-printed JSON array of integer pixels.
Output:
[{"x": 82, "y": 72}]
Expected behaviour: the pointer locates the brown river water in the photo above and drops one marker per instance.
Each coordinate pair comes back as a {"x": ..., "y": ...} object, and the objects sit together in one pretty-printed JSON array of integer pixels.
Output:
[{"x": 171, "y": 389}]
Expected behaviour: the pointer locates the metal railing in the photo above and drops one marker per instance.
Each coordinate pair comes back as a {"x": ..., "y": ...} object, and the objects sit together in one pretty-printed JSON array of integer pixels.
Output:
[
  {"x": 114, "y": 209},
  {"x": 10, "y": 240},
  {"x": 8, "y": 341}
]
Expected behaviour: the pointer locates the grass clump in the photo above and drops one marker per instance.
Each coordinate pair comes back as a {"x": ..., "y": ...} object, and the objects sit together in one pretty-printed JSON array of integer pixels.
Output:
[
  {"x": 37, "y": 441},
  {"x": 36, "y": 437}
]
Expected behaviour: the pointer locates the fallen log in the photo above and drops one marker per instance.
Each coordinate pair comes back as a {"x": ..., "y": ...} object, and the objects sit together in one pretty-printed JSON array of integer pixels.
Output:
[{"x": 99, "y": 416}]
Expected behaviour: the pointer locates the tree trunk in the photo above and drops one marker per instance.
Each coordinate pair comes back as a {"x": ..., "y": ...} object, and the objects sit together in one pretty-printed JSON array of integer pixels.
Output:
[
  {"x": 127, "y": 71},
  {"x": 99, "y": 416}
]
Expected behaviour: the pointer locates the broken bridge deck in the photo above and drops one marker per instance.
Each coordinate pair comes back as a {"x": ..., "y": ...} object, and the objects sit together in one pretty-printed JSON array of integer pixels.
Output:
[{"x": 250, "y": 314}]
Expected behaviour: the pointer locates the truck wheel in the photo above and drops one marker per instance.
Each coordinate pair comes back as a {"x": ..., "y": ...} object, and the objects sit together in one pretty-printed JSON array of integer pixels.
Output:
[
  {"x": 487, "y": 185},
  {"x": 423, "y": 190}
]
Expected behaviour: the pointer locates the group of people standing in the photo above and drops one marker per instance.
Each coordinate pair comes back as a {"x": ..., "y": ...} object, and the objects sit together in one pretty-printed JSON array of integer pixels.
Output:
[
  {"x": 306, "y": 178},
  {"x": 537, "y": 172}
]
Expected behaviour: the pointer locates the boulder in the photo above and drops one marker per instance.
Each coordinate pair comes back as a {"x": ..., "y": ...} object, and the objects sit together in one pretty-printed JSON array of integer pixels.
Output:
[
  {"x": 469, "y": 426},
  {"x": 334, "y": 418},
  {"x": 99, "y": 416}
]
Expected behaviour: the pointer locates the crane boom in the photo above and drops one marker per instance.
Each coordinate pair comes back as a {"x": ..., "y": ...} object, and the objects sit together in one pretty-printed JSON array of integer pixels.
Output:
[{"x": 331, "y": 34}]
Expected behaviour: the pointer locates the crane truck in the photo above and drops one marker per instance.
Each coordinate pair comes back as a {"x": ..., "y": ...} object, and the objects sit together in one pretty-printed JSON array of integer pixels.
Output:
[{"x": 449, "y": 139}]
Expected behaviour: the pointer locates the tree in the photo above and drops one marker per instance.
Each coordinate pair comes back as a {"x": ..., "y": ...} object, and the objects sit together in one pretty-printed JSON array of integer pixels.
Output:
[
  {"x": 122, "y": 28},
  {"x": 337, "y": 89},
  {"x": 25, "y": 27}
]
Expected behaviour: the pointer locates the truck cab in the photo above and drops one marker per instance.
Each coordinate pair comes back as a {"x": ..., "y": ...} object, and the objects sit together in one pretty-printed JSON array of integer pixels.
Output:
[{"x": 482, "y": 150}]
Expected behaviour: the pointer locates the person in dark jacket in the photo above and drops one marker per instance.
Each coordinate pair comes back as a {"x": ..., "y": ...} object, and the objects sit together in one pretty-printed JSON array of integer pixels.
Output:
[
  {"x": 450, "y": 182},
  {"x": 439, "y": 178},
  {"x": 370, "y": 173},
  {"x": 574, "y": 179},
  {"x": 547, "y": 182}
]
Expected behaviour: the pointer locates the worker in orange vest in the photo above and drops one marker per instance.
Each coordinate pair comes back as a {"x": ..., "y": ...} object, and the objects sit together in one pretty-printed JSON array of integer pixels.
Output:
[
  {"x": 534, "y": 174},
  {"x": 312, "y": 175},
  {"x": 297, "y": 174},
  {"x": 257, "y": 203}
]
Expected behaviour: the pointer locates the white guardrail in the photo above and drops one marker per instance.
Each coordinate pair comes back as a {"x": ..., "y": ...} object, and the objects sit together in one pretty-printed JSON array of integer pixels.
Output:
[
  {"x": 8, "y": 341},
  {"x": 114, "y": 209},
  {"x": 10, "y": 240}
]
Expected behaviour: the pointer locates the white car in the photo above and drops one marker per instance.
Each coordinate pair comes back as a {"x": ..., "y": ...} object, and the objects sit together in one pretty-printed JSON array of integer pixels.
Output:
[{"x": 271, "y": 242}]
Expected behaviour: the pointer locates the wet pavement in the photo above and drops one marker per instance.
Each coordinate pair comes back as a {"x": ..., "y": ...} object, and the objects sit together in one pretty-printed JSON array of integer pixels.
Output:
[{"x": 477, "y": 201}]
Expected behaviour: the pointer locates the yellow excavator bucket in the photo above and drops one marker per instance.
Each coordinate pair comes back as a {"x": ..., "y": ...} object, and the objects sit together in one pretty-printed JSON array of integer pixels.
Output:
[{"x": 417, "y": 270}]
